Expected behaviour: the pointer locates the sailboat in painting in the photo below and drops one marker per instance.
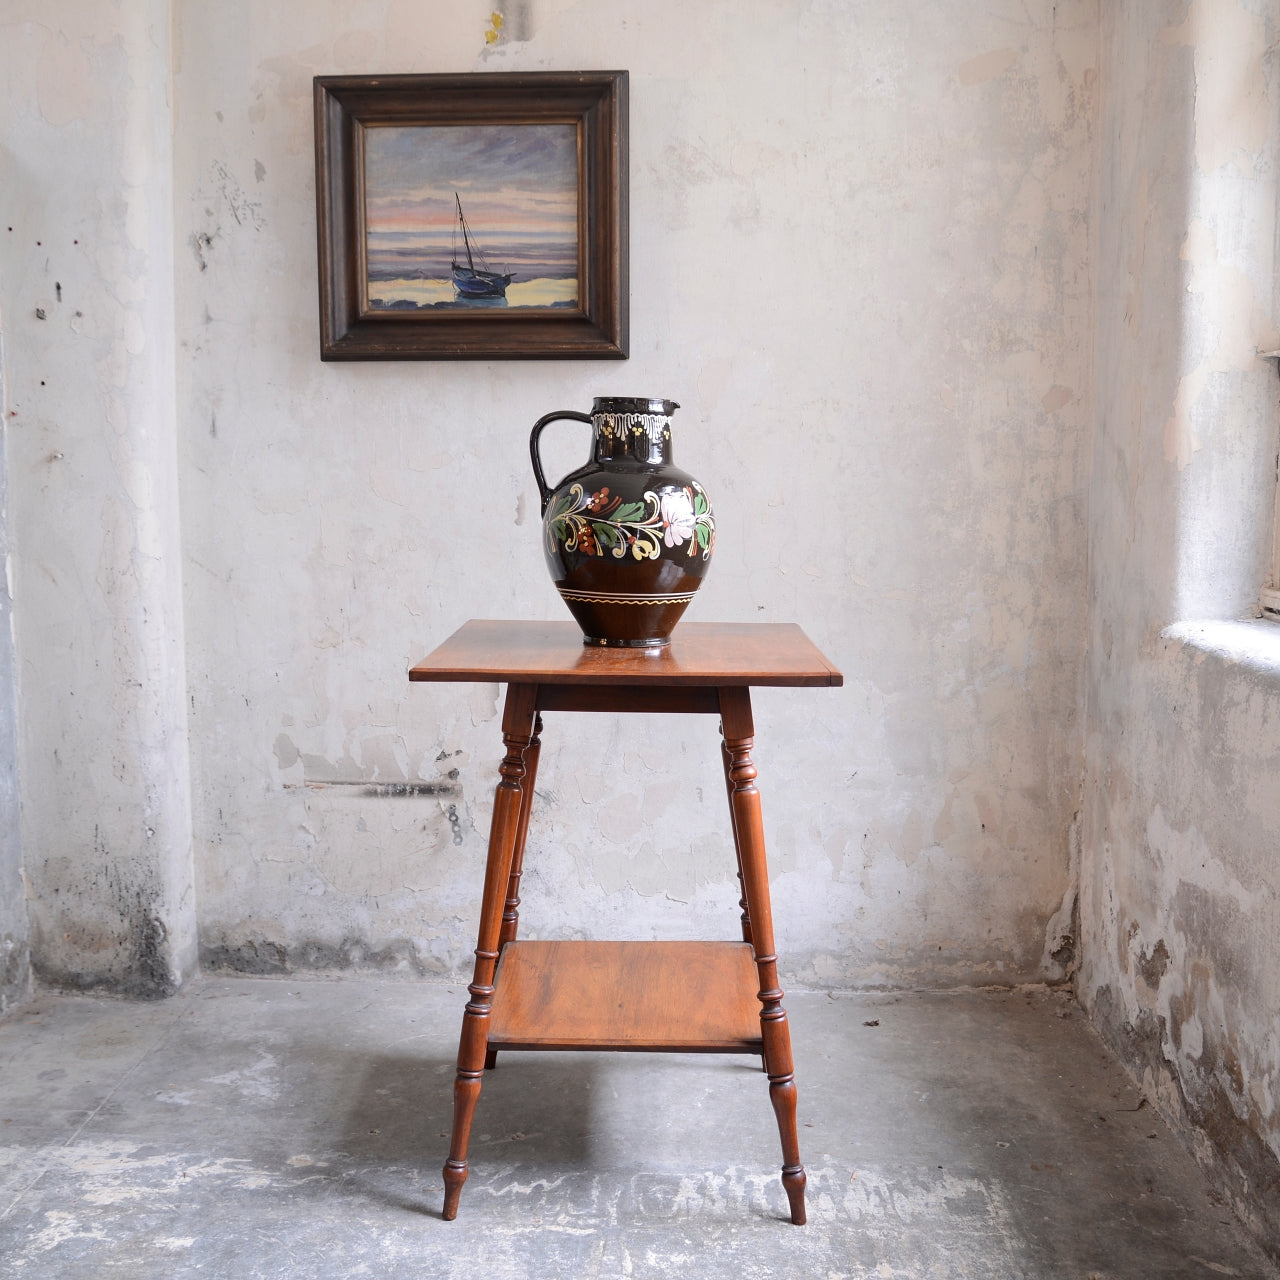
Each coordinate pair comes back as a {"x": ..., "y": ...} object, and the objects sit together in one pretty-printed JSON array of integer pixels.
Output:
[{"x": 471, "y": 281}]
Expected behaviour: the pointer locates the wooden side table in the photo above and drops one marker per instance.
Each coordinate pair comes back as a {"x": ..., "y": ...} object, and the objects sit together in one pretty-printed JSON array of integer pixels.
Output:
[{"x": 675, "y": 997}]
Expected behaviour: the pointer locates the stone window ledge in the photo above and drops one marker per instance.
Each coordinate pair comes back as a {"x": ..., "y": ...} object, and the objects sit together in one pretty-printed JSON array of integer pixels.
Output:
[{"x": 1251, "y": 645}]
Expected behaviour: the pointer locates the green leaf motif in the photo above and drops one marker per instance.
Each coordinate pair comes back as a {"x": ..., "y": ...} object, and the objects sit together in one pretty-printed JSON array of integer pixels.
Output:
[
  {"x": 629, "y": 511},
  {"x": 700, "y": 507},
  {"x": 606, "y": 535},
  {"x": 700, "y": 532}
]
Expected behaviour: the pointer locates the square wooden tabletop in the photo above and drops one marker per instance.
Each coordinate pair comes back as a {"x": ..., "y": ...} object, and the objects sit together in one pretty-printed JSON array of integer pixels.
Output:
[{"x": 706, "y": 654}]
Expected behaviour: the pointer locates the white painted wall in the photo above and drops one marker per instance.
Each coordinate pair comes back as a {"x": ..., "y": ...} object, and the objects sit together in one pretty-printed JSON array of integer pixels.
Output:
[
  {"x": 86, "y": 266},
  {"x": 895, "y": 453},
  {"x": 860, "y": 262},
  {"x": 896, "y": 459},
  {"x": 15, "y": 964},
  {"x": 1180, "y": 885}
]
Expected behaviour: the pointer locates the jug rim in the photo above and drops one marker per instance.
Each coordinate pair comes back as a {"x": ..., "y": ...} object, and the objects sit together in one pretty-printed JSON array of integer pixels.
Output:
[{"x": 633, "y": 404}]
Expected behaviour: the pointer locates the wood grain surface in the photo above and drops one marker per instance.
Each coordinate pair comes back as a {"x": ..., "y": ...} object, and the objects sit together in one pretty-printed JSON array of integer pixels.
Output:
[
  {"x": 676, "y": 997},
  {"x": 714, "y": 654}
]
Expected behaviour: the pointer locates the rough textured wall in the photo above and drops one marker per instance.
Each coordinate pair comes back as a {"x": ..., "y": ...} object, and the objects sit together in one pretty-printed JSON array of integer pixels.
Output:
[
  {"x": 1180, "y": 887},
  {"x": 87, "y": 279},
  {"x": 15, "y": 965},
  {"x": 860, "y": 262}
]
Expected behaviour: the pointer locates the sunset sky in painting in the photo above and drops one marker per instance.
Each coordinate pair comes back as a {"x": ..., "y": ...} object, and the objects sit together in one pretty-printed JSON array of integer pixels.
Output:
[{"x": 516, "y": 181}]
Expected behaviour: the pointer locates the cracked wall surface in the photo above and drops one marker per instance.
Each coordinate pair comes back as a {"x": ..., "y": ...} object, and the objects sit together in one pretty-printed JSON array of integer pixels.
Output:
[
  {"x": 87, "y": 272},
  {"x": 1028, "y": 305},
  {"x": 895, "y": 455},
  {"x": 15, "y": 960},
  {"x": 898, "y": 467},
  {"x": 1180, "y": 887}
]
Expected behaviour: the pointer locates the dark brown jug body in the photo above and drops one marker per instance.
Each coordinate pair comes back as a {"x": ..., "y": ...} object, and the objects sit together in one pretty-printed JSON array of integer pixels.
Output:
[{"x": 629, "y": 536}]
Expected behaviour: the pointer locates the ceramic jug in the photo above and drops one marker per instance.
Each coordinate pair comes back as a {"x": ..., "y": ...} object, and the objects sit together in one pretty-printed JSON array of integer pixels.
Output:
[{"x": 629, "y": 536}]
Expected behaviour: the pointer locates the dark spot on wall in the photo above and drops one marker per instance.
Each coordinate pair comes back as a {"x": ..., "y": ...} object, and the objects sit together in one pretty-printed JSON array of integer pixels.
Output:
[
  {"x": 249, "y": 957},
  {"x": 125, "y": 939},
  {"x": 15, "y": 971},
  {"x": 1228, "y": 941},
  {"x": 150, "y": 976},
  {"x": 1244, "y": 1168},
  {"x": 1067, "y": 952},
  {"x": 201, "y": 241},
  {"x": 1152, "y": 967},
  {"x": 262, "y": 957},
  {"x": 40, "y": 313}
]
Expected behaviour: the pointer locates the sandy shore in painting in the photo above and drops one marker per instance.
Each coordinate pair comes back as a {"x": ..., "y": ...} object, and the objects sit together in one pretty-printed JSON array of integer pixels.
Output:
[{"x": 406, "y": 294}]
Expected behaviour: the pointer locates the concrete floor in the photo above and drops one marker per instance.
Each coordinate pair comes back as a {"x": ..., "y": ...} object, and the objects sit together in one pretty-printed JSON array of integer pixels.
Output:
[{"x": 259, "y": 1127}]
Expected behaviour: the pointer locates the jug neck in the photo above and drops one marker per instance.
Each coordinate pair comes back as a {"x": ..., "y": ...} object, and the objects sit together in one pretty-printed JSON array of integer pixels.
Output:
[{"x": 628, "y": 436}]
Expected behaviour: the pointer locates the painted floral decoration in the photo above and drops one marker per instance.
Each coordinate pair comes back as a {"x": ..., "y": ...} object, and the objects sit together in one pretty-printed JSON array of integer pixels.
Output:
[{"x": 599, "y": 522}]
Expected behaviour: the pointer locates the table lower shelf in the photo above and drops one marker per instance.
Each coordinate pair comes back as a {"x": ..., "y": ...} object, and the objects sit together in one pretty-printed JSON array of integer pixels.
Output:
[{"x": 669, "y": 997}]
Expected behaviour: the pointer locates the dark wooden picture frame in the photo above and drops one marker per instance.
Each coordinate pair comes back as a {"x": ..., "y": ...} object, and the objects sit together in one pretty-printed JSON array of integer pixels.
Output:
[{"x": 594, "y": 325}]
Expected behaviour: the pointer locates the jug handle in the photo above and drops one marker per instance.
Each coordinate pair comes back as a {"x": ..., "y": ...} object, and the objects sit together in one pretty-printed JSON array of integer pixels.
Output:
[{"x": 544, "y": 491}]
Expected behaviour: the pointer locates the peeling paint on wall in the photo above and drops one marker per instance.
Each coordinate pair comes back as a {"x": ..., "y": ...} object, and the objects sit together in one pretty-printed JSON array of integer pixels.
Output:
[
  {"x": 15, "y": 964},
  {"x": 102, "y": 743},
  {"x": 333, "y": 528}
]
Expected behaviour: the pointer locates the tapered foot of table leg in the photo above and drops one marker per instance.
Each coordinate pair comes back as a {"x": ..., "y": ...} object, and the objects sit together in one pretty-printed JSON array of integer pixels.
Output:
[
  {"x": 748, "y": 835},
  {"x": 453, "y": 1180},
  {"x": 473, "y": 1046},
  {"x": 793, "y": 1183},
  {"x": 782, "y": 1093},
  {"x": 466, "y": 1093}
]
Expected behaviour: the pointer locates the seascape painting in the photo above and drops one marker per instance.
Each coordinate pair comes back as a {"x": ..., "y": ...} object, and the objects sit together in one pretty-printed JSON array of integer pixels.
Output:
[{"x": 471, "y": 216}]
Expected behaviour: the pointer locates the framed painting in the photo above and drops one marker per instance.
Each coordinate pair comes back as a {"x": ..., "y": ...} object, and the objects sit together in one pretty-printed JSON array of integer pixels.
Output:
[{"x": 472, "y": 216}]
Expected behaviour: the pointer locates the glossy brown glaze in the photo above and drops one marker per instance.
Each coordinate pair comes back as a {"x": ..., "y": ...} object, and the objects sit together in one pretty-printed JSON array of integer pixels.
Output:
[{"x": 629, "y": 536}]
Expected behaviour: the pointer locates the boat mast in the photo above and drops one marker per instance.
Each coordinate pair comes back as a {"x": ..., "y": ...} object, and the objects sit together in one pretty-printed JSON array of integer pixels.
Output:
[{"x": 466, "y": 239}]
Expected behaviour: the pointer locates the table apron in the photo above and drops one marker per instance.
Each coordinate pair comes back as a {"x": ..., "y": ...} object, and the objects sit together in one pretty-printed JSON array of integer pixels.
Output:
[{"x": 696, "y": 699}]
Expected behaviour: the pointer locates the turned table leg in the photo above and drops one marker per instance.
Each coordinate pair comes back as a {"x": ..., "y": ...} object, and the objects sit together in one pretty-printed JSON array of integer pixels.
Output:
[
  {"x": 508, "y": 807},
  {"x": 511, "y": 912},
  {"x": 748, "y": 832},
  {"x": 737, "y": 848}
]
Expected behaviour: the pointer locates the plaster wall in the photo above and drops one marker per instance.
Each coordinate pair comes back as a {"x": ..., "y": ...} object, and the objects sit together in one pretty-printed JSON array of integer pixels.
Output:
[
  {"x": 15, "y": 963},
  {"x": 86, "y": 215},
  {"x": 860, "y": 261},
  {"x": 1180, "y": 887}
]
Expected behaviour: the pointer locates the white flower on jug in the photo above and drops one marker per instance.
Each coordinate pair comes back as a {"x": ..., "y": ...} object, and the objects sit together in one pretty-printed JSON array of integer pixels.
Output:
[{"x": 677, "y": 517}]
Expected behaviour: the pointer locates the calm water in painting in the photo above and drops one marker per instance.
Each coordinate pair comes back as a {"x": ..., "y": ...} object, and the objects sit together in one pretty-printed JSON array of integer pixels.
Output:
[{"x": 518, "y": 187}]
